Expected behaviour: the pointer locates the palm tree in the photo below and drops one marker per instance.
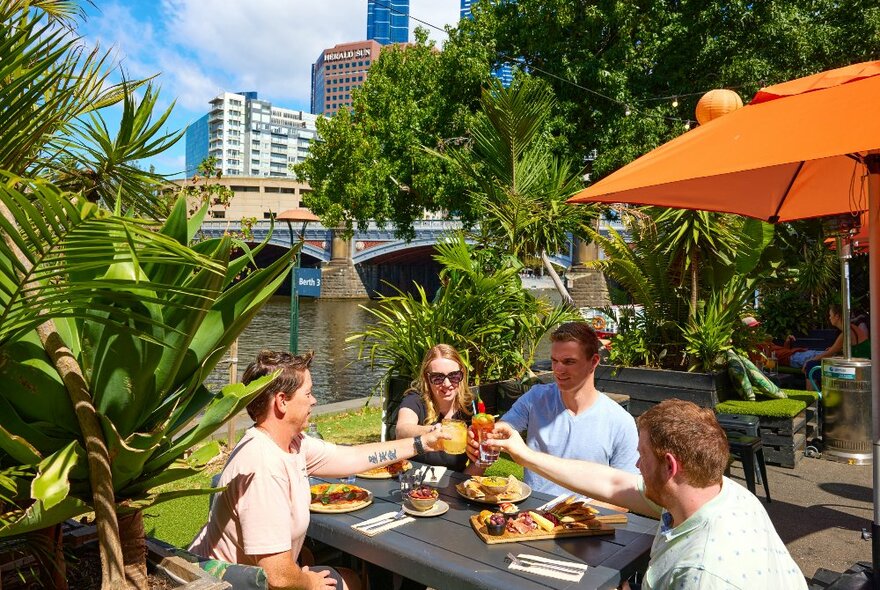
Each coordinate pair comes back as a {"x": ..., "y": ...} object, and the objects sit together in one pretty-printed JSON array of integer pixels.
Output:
[
  {"x": 692, "y": 238},
  {"x": 519, "y": 183}
]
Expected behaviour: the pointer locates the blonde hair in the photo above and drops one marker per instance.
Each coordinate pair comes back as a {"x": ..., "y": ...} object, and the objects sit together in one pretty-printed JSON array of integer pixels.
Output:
[{"x": 421, "y": 386}]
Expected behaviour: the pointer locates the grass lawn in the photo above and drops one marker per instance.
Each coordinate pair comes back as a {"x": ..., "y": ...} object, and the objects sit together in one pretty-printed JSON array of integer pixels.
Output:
[{"x": 178, "y": 521}]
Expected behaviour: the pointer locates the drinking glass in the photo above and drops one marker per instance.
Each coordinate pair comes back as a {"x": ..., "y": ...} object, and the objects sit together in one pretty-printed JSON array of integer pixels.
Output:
[
  {"x": 406, "y": 482},
  {"x": 457, "y": 430},
  {"x": 483, "y": 425}
]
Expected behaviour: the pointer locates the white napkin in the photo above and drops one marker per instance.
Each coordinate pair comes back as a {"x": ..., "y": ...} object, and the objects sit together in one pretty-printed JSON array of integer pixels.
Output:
[
  {"x": 381, "y": 529},
  {"x": 432, "y": 480},
  {"x": 550, "y": 573}
]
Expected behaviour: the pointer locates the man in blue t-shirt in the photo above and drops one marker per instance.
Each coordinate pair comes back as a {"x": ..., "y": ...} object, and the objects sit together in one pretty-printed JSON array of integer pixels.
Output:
[{"x": 570, "y": 418}]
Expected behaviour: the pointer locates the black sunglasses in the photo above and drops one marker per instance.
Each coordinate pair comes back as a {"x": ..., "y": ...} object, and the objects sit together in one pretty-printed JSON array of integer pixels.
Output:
[{"x": 454, "y": 377}]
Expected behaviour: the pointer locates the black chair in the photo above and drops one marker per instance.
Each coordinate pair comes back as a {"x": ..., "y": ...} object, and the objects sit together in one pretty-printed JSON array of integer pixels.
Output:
[{"x": 750, "y": 452}]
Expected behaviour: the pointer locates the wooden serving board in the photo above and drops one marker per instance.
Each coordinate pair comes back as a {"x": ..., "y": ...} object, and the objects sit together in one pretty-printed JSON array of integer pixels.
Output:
[{"x": 535, "y": 535}]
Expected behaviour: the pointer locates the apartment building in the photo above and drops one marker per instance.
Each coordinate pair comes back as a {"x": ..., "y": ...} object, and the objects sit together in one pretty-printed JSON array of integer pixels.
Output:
[{"x": 250, "y": 137}]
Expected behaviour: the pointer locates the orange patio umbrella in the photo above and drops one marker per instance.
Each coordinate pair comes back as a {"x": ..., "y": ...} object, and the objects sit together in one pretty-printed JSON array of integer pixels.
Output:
[
  {"x": 805, "y": 148},
  {"x": 796, "y": 151}
]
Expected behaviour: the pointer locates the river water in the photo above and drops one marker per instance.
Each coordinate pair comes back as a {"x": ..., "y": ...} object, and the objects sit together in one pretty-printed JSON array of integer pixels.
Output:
[{"x": 324, "y": 324}]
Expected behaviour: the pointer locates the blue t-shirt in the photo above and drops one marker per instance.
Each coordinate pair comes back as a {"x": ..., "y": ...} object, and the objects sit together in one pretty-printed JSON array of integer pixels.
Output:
[{"x": 605, "y": 433}]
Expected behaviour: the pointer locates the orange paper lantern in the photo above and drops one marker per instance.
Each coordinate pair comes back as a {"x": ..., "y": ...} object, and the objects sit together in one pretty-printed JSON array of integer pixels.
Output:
[{"x": 716, "y": 103}]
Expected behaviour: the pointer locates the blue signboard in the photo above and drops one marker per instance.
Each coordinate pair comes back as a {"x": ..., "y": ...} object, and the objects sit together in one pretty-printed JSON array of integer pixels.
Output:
[{"x": 308, "y": 282}]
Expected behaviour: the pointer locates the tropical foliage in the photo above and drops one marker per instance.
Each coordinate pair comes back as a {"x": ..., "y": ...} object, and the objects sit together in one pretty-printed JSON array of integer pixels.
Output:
[
  {"x": 627, "y": 75},
  {"x": 108, "y": 323},
  {"x": 518, "y": 184},
  {"x": 481, "y": 309},
  {"x": 676, "y": 328}
]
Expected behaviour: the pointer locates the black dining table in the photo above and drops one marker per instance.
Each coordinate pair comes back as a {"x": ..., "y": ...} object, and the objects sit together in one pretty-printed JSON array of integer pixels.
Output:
[{"x": 445, "y": 553}]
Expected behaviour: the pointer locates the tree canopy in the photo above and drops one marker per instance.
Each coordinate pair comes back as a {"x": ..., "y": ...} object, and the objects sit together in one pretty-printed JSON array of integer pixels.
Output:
[
  {"x": 370, "y": 163},
  {"x": 626, "y": 77},
  {"x": 646, "y": 56}
]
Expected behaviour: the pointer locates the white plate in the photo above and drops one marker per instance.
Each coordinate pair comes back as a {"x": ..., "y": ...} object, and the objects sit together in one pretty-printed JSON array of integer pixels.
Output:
[
  {"x": 439, "y": 507},
  {"x": 524, "y": 492}
]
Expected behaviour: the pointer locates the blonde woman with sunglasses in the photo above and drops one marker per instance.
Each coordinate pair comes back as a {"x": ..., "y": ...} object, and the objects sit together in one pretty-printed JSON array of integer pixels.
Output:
[{"x": 439, "y": 392}]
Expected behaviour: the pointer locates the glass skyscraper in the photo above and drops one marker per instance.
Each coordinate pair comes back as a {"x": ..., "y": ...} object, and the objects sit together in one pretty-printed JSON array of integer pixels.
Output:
[
  {"x": 466, "y": 8},
  {"x": 388, "y": 21}
]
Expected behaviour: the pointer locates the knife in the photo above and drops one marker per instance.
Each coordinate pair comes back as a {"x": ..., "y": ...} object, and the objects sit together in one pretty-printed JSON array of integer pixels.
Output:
[
  {"x": 573, "y": 569},
  {"x": 383, "y": 522}
]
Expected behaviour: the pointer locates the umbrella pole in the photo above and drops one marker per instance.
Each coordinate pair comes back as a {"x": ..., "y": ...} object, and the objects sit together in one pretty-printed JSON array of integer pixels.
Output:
[
  {"x": 844, "y": 253},
  {"x": 873, "y": 162}
]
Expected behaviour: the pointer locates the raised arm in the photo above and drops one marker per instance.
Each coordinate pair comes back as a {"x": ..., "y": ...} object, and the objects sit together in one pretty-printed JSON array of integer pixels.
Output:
[
  {"x": 591, "y": 479},
  {"x": 408, "y": 426},
  {"x": 347, "y": 460}
]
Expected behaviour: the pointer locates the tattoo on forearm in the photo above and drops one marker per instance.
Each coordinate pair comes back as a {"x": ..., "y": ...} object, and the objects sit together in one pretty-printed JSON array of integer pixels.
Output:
[{"x": 382, "y": 456}]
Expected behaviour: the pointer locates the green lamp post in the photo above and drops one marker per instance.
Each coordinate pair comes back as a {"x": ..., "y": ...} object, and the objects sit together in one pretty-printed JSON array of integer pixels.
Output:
[{"x": 305, "y": 216}]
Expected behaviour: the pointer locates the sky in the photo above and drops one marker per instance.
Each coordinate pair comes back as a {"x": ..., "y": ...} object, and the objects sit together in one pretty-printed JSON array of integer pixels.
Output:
[{"x": 200, "y": 48}]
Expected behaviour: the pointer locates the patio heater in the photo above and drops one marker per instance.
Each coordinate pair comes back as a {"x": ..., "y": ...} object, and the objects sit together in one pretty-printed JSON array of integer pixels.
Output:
[{"x": 846, "y": 381}]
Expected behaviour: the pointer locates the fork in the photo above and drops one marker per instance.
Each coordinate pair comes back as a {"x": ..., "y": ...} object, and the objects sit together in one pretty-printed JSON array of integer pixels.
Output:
[
  {"x": 400, "y": 514},
  {"x": 564, "y": 569}
]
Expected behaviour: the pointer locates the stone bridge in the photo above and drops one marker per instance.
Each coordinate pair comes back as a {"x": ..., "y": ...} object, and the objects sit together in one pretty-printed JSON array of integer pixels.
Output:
[
  {"x": 376, "y": 244},
  {"x": 363, "y": 265}
]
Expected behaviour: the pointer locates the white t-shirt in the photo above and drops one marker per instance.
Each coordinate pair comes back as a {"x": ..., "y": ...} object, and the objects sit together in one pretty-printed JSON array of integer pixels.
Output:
[
  {"x": 264, "y": 484},
  {"x": 728, "y": 544}
]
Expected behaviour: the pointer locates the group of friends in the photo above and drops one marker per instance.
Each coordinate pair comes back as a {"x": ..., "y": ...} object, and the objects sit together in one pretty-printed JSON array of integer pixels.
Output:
[{"x": 669, "y": 463}]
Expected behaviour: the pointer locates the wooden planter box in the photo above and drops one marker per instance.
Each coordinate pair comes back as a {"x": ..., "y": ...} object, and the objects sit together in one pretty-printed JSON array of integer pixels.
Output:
[
  {"x": 785, "y": 439},
  {"x": 647, "y": 387}
]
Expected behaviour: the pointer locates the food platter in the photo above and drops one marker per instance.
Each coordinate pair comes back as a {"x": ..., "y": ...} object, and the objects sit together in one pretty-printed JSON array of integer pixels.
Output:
[
  {"x": 350, "y": 498},
  {"x": 580, "y": 529},
  {"x": 387, "y": 471},
  {"x": 439, "y": 507},
  {"x": 524, "y": 492}
]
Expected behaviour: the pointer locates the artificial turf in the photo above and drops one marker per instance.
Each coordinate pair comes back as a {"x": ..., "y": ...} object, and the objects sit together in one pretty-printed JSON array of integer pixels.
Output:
[{"x": 796, "y": 402}]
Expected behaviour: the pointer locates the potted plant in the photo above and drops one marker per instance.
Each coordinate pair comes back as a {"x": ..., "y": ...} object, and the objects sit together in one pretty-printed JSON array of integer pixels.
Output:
[{"x": 693, "y": 272}]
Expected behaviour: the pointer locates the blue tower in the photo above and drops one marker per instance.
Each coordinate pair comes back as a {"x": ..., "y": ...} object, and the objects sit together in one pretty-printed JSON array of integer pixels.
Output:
[{"x": 388, "y": 21}]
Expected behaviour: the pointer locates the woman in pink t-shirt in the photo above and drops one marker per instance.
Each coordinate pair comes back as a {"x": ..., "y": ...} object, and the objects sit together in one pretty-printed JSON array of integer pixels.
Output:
[{"x": 267, "y": 475}]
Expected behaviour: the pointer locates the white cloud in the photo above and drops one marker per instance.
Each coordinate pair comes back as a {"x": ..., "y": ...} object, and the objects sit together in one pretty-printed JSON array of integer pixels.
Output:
[
  {"x": 204, "y": 47},
  {"x": 436, "y": 12}
]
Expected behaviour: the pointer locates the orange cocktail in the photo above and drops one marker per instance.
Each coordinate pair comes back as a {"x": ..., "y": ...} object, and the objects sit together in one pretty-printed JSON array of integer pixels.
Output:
[{"x": 483, "y": 424}]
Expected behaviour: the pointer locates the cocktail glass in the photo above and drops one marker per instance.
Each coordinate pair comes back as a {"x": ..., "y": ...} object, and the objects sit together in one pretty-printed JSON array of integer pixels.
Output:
[
  {"x": 457, "y": 431},
  {"x": 483, "y": 425}
]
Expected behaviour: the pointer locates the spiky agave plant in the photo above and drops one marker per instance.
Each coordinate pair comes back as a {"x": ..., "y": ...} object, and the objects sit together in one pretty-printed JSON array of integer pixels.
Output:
[{"x": 144, "y": 317}]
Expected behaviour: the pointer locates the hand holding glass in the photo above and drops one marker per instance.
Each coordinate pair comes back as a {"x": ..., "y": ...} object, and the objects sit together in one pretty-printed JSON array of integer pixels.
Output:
[
  {"x": 483, "y": 425},
  {"x": 457, "y": 431}
]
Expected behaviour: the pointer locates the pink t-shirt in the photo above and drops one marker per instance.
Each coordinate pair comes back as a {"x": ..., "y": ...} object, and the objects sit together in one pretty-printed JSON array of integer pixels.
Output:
[{"x": 265, "y": 508}]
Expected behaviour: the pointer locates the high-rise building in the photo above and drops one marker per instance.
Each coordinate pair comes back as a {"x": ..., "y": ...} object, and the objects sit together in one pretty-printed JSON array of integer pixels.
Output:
[
  {"x": 339, "y": 70},
  {"x": 196, "y": 144},
  {"x": 503, "y": 71},
  {"x": 388, "y": 21},
  {"x": 249, "y": 136}
]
